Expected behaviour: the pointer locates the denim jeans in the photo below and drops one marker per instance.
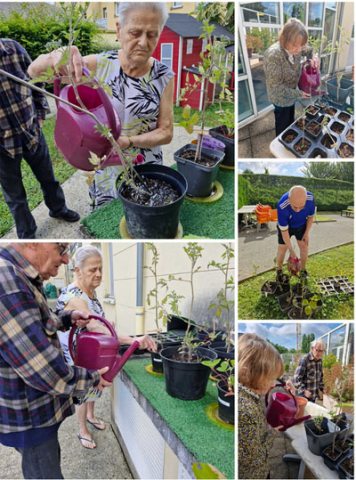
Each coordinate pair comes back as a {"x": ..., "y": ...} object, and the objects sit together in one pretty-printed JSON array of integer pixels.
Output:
[
  {"x": 284, "y": 116},
  {"x": 42, "y": 461},
  {"x": 14, "y": 191}
]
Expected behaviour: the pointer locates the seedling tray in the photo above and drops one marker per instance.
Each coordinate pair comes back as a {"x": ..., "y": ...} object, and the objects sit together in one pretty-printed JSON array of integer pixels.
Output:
[
  {"x": 316, "y": 146},
  {"x": 336, "y": 286}
]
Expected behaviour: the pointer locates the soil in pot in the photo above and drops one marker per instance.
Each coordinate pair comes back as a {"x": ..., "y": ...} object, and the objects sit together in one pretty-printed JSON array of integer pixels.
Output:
[
  {"x": 319, "y": 438},
  {"x": 337, "y": 127},
  {"x": 330, "y": 111},
  {"x": 314, "y": 128},
  {"x": 226, "y": 401},
  {"x": 345, "y": 150},
  {"x": 325, "y": 119},
  {"x": 289, "y": 136},
  {"x": 153, "y": 193},
  {"x": 269, "y": 288},
  {"x": 302, "y": 146},
  {"x": 318, "y": 153},
  {"x": 344, "y": 117},
  {"x": 331, "y": 457},
  {"x": 296, "y": 313},
  {"x": 312, "y": 110},
  {"x": 204, "y": 160},
  {"x": 285, "y": 301},
  {"x": 328, "y": 141},
  {"x": 350, "y": 135},
  {"x": 346, "y": 467},
  {"x": 301, "y": 123}
]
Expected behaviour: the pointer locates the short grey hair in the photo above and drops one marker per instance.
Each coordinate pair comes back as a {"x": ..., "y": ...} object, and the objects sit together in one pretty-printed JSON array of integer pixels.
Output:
[
  {"x": 126, "y": 7},
  {"x": 85, "y": 252},
  {"x": 295, "y": 187},
  {"x": 314, "y": 343}
]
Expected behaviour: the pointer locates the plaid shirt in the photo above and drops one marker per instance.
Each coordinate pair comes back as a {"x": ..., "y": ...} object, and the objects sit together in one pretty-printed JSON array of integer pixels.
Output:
[
  {"x": 20, "y": 106},
  {"x": 309, "y": 375},
  {"x": 36, "y": 384}
]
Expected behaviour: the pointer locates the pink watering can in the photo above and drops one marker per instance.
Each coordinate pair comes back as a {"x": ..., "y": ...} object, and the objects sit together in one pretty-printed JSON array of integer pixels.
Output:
[
  {"x": 294, "y": 265},
  {"x": 75, "y": 133},
  {"x": 282, "y": 409},
  {"x": 96, "y": 350}
]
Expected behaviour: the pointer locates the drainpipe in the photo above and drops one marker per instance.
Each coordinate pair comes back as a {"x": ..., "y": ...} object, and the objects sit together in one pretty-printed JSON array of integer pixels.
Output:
[
  {"x": 140, "y": 309},
  {"x": 179, "y": 73}
]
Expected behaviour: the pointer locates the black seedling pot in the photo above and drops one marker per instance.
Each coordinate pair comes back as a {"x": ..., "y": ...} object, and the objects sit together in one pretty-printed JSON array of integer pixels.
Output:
[
  {"x": 226, "y": 407},
  {"x": 218, "y": 132}
]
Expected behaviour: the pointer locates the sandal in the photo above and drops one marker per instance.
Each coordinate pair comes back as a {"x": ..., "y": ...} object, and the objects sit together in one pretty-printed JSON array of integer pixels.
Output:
[
  {"x": 98, "y": 424},
  {"x": 89, "y": 440}
]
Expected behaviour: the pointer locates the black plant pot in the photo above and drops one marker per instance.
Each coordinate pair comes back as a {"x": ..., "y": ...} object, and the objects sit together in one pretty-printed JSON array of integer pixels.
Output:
[
  {"x": 155, "y": 222},
  {"x": 200, "y": 178},
  {"x": 331, "y": 460},
  {"x": 156, "y": 359},
  {"x": 337, "y": 94},
  {"x": 341, "y": 468},
  {"x": 218, "y": 132},
  {"x": 186, "y": 380},
  {"x": 317, "y": 443},
  {"x": 226, "y": 404}
]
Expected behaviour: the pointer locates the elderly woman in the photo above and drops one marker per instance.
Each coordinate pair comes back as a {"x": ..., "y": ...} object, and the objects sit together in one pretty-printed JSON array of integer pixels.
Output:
[
  {"x": 142, "y": 87},
  {"x": 283, "y": 64},
  {"x": 81, "y": 294}
]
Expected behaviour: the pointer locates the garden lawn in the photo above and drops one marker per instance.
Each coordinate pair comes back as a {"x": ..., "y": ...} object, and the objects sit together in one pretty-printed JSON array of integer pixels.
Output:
[
  {"x": 211, "y": 117},
  {"x": 62, "y": 171},
  {"x": 336, "y": 261}
]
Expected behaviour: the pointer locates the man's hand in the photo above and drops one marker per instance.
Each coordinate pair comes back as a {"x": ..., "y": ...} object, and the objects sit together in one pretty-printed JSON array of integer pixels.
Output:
[
  {"x": 147, "y": 342},
  {"x": 307, "y": 393},
  {"x": 80, "y": 319},
  {"x": 103, "y": 383},
  {"x": 292, "y": 253}
]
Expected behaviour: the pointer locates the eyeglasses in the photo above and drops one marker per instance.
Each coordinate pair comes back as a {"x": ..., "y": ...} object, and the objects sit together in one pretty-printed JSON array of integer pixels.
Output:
[
  {"x": 318, "y": 350},
  {"x": 63, "y": 248}
]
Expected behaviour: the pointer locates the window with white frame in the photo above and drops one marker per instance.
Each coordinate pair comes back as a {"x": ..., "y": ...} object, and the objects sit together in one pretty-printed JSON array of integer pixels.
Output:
[
  {"x": 167, "y": 54},
  {"x": 177, "y": 5},
  {"x": 189, "y": 46}
]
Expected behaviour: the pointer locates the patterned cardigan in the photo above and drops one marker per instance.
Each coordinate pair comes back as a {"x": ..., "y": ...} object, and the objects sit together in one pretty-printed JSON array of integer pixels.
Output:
[
  {"x": 254, "y": 438},
  {"x": 282, "y": 76}
]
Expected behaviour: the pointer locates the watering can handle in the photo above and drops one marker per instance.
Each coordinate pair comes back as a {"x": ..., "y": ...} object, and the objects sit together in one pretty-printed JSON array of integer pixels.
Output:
[
  {"x": 74, "y": 327},
  {"x": 282, "y": 384},
  {"x": 109, "y": 110}
]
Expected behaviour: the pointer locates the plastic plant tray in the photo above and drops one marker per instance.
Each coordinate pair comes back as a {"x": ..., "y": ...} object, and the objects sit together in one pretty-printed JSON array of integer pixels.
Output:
[
  {"x": 316, "y": 146},
  {"x": 336, "y": 285}
]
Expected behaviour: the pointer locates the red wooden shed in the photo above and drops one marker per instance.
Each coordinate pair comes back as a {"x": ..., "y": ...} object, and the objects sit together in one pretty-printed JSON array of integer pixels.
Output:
[{"x": 179, "y": 48}]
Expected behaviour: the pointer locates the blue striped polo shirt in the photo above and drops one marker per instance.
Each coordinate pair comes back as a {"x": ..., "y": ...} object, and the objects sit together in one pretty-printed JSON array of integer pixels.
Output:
[{"x": 287, "y": 217}]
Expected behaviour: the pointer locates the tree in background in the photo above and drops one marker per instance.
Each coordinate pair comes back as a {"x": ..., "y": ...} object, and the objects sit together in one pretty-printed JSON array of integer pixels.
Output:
[
  {"x": 330, "y": 170},
  {"x": 306, "y": 341},
  {"x": 219, "y": 13}
]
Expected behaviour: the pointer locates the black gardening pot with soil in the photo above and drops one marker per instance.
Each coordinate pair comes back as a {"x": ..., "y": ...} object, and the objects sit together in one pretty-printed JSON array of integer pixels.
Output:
[
  {"x": 345, "y": 150},
  {"x": 186, "y": 378},
  {"x": 200, "y": 175},
  {"x": 320, "y": 438},
  {"x": 273, "y": 288},
  {"x": 346, "y": 467},
  {"x": 226, "y": 402},
  {"x": 350, "y": 135},
  {"x": 222, "y": 134},
  {"x": 152, "y": 210},
  {"x": 331, "y": 456},
  {"x": 156, "y": 359},
  {"x": 313, "y": 129}
]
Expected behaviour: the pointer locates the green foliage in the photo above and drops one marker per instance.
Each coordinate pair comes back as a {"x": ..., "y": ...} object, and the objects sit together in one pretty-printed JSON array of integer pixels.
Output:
[
  {"x": 330, "y": 195},
  {"x": 244, "y": 191},
  {"x": 216, "y": 12},
  {"x": 206, "y": 471},
  {"x": 37, "y": 26},
  {"x": 330, "y": 170},
  {"x": 306, "y": 341},
  {"x": 329, "y": 360},
  {"x": 211, "y": 113}
]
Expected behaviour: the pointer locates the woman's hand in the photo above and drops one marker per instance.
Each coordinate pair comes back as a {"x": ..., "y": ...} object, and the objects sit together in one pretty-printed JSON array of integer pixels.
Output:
[
  {"x": 123, "y": 142},
  {"x": 315, "y": 62},
  {"x": 147, "y": 342},
  {"x": 290, "y": 387},
  {"x": 305, "y": 94},
  {"x": 73, "y": 67},
  {"x": 79, "y": 318}
]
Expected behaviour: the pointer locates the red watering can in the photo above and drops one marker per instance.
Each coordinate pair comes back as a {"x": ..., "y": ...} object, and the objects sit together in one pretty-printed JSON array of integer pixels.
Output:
[
  {"x": 96, "y": 350},
  {"x": 282, "y": 409},
  {"x": 75, "y": 133},
  {"x": 294, "y": 265}
]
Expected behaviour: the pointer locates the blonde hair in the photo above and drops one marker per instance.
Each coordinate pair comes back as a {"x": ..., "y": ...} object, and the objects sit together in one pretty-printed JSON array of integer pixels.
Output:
[
  {"x": 291, "y": 31},
  {"x": 258, "y": 362}
]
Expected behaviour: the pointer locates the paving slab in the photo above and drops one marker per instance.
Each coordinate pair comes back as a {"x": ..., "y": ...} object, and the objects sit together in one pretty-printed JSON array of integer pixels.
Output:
[
  {"x": 105, "y": 461},
  {"x": 261, "y": 143},
  {"x": 258, "y": 248}
]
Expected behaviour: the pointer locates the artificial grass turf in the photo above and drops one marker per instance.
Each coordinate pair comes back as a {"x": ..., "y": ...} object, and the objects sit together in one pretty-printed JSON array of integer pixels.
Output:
[
  {"x": 208, "y": 442},
  {"x": 62, "y": 171},
  {"x": 332, "y": 262},
  {"x": 213, "y": 220}
]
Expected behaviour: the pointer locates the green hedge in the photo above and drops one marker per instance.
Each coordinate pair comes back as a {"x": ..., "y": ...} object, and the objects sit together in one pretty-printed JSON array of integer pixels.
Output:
[
  {"x": 330, "y": 195},
  {"x": 244, "y": 191},
  {"x": 35, "y": 26}
]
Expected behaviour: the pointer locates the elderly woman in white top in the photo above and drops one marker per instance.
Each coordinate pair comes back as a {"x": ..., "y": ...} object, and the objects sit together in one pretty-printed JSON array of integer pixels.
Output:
[
  {"x": 81, "y": 294},
  {"x": 142, "y": 87}
]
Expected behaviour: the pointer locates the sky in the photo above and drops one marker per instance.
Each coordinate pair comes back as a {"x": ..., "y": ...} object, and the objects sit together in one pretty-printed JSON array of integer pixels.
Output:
[
  {"x": 274, "y": 168},
  {"x": 285, "y": 333}
]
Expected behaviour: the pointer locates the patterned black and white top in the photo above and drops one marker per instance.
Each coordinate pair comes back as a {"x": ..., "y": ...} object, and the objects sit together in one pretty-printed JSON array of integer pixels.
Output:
[
  {"x": 137, "y": 103},
  {"x": 309, "y": 376}
]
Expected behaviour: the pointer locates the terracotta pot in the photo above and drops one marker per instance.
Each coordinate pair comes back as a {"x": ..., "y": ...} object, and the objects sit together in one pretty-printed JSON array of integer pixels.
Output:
[{"x": 301, "y": 402}]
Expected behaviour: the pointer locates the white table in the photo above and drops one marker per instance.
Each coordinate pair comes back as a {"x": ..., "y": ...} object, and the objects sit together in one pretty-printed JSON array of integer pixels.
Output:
[
  {"x": 297, "y": 435},
  {"x": 280, "y": 151},
  {"x": 246, "y": 211}
]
